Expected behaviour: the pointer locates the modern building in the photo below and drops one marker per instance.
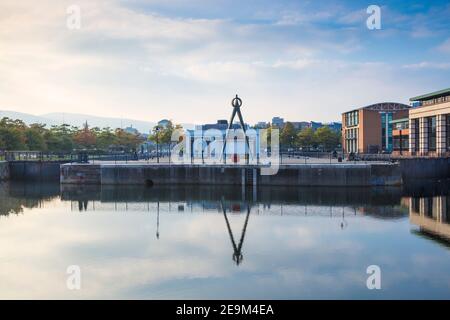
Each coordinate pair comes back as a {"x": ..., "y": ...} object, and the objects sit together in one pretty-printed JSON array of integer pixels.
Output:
[
  {"x": 236, "y": 145},
  {"x": 278, "y": 122},
  {"x": 429, "y": 124},
  {"x": 221, "y": 125},
  {"x": 300, "y": 125},
  {"x": 335, "y": 126},
  {"x": 400, "y": 136},
  {"x": 262, "y": 125},
  {"x": 315, "y": 125},
  {"x": 369, "y": 129}
]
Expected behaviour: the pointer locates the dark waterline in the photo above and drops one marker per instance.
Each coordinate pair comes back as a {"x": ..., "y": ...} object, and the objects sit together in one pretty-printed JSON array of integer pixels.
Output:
[{"x": 210, "y": 242}]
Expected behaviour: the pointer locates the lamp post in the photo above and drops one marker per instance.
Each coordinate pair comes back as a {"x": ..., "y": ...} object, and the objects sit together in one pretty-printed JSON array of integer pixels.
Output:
[
  {"x": 292, "y": 146},
  {"x": 157, "y": 143},
  {"x": 400, "y": 132}
]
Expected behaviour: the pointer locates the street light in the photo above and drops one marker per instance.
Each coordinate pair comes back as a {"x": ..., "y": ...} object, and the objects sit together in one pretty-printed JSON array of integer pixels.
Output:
[{"x": 157, "y": 143}]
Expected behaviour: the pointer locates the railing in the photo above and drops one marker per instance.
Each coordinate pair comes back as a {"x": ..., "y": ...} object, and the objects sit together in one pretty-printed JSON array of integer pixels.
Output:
[
  {"x": 292, "y": 157},
  {"x": 34, "y": 156}
]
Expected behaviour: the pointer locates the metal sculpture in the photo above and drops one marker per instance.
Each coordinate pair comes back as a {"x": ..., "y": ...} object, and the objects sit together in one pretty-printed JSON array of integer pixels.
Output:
[{"x": 237, "y": 103}]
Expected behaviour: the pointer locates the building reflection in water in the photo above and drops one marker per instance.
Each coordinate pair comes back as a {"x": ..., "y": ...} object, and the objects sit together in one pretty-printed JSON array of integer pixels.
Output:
[
  {"x": 432, "y": 215},
  {"x": 428, "y": 207},
  {"x": 334, "y": 203}
]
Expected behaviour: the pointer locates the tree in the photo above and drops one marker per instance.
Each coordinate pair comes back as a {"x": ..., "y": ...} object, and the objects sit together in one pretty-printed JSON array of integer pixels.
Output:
[
  {"x": 288, "y": 136},
  {"x": 306, "y": 138},
  {"x": 35, "y": 139},
  {"x": 60, "y": 138},
  {"x": 106, "y": 138},
  {"x": 12, "y": 134},
  {"x": 85, "y": 138},
  {"x": 163, "y": 134},
  {"x": 127, "y": 140},
  {"x": 327, "y": 138}
]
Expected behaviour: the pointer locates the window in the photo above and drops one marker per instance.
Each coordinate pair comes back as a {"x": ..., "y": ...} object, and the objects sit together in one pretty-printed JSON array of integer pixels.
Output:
[
  {"x": 351, "y": 118},
  {"x": 448, "y": 132},
  {"x": 386, "y": 131},
  {"x": 416, "y": 134},
  {"x": 401, "y": 143},
  {"x": 431, "y": 133},
  {"x": 415, "y": 203}
]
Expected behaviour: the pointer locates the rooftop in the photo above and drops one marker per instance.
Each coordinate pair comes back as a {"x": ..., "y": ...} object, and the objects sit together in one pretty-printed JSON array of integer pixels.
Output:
[
  {"x": 384, "y": 107},
  {"x": 432, "y": 95}
]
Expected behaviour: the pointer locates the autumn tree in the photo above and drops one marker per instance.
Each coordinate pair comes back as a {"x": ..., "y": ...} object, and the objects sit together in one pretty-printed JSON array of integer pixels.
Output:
[{"x": 85, "y": 138}]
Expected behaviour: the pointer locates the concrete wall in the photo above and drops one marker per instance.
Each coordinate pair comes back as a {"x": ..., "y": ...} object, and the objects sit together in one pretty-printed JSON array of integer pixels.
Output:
[
  {"x": 80, "y": 174},
  {"x": 425, "y": 168},
  {"x": 288, "y": 175},
  {"x": 4, "y": 170},
  {"x": 34, "y": 170}
]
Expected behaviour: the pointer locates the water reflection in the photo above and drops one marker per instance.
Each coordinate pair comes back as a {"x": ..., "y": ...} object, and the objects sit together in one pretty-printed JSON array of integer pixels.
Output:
[
  {"x": 432, "y": 216},
  {"x": 381, "y": 203},
  {"x": 237, "y": 250},
  {"x": 181, "y": 242},
  {"x": 15, "y": 197}
]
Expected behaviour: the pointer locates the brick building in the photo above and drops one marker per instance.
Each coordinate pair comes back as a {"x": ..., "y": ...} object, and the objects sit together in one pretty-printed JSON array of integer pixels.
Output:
[
  {"x": 429, "y": 124},
  {"x": 369, "y": 129}
]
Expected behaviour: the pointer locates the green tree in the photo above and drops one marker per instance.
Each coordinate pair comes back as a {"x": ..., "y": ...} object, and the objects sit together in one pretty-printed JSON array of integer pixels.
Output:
[
  {"x": 163, "y": 134},
  {"x": 288, "y": 135},
  {"x": 34, "y": 137},
  {"x": 106, "y": 138},
  {"x": 12, "y": 134},
  {"x": 306, "y": 138},
  {"x": 60, "y": 138},
  {"x": 326, "y": 138}
]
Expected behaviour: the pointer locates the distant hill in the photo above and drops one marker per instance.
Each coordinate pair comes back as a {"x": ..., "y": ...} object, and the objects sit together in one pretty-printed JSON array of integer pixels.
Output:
[
  {"x": 26, "y": 117},
  {"x": 95, "y": 121},
  {"x": 78, "y": 120}
]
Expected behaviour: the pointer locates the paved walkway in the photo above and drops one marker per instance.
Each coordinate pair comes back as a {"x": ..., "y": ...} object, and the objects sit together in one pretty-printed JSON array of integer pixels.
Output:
[{"x": 284, "y": 160}]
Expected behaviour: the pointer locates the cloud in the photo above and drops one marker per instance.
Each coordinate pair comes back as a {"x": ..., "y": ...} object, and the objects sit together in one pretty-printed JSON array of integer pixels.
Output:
[
  {"x": 137, "y": 54},
  {"x": 445, "y": 46},
  {"x": 427, "y": 65}
]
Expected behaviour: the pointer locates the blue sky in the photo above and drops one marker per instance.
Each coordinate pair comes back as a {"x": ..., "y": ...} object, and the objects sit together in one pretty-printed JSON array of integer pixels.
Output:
[{"x": 185, "y": 60}]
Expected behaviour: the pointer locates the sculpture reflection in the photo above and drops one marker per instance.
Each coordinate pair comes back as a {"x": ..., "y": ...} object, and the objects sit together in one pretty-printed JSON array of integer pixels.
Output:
[{"x": 237, "y": 250}]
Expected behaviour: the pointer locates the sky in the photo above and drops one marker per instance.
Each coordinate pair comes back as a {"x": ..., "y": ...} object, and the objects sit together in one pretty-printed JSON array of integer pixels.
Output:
[{"x": 186, "y": 60}]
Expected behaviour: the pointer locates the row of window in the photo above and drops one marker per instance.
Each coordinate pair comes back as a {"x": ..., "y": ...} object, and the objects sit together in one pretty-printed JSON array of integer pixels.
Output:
[
  {"x": 351, "y": 145},
  {"x": 436, "y": 101},
  {"x": 432, "y": 133},
  {"x": 401, "y": 143},
  {"x": 431, "y": 208},
  {"x": 401, "y": 125},
  {"x": 351, "y": 133},
  {"x": 351, "y": 118},
  {"x": 386, "y": 131}
]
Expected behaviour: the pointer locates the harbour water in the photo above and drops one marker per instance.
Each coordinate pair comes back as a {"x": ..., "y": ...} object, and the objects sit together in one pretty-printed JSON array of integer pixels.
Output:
[{"x": 223, "y": 243}]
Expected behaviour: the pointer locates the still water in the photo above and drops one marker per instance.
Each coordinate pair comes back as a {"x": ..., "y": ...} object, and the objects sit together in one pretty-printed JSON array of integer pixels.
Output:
[{"x": 214, "y": 243}]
